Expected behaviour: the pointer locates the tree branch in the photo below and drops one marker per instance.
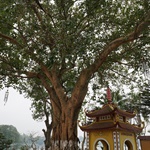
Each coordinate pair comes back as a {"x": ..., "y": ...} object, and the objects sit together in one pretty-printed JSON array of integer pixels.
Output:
[
  {"x": 118, "y": 42},
  {"x": 87, "y": 73},
  {"x": 53, "y": 77},
  {"x": 124, "y": 76},
  {"x": 53, "y": 97},
  {"x": 10, "y": 39},
  {"x": 40, "y": 6},
  {"x": 37, "y": 13}
]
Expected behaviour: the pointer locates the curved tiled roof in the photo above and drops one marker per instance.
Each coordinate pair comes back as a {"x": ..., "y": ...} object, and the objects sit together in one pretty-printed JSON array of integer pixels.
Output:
[
  {"x": 130, "y": 127},
  {"x": 98, "y": 126},
  {"x": 109, "y": 109},
  {"x": 111, "y": 125},
  {"x": 125, "y": 113},
  {"x": 105, "y": 110}
]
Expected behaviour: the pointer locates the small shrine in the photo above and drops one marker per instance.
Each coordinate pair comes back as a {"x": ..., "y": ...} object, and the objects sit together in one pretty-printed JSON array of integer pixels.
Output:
[{"x": 111, "y": 128}]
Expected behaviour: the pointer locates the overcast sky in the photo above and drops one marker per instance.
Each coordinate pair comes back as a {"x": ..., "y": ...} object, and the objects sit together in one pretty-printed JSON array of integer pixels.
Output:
[{"x": 17, "y": 112}]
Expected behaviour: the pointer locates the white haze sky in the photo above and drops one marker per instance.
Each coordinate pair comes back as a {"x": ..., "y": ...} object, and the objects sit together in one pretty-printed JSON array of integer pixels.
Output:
[{"x": 17, "y": 112}]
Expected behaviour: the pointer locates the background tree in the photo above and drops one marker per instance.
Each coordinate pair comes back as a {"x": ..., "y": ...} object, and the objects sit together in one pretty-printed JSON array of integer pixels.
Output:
[
  {"x": 145, "y": 101},
  {"x": 4, "y": 143},
  {"x": 31, "y": 141},
  {"x": 10, "y": 132},
  {"x": 11, "y": 137},
  {"x": 63, "y": 45}
]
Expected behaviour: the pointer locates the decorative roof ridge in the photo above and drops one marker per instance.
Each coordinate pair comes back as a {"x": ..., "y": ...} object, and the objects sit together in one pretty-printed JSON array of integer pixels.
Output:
[
  {"x": 87, "y": 125},
  {"x": 133, "y": 125},
  {"x": 125, "y": 113},
  {"x": 92, "y": 112},
  {"x": 84, "y": 127},
  {"x": 142, "y": 125}
]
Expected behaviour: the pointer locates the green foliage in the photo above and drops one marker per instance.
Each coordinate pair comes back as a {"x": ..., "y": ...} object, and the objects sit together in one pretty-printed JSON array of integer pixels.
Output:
[
  {"x": 11, "y": 138},
  {"x": 135, "y": 101},
  {"x": 75, "y": 36},
  {"x": 145, "y": 103},
  {"x": 10, "y": 133},
  {"x": 4, "y": 143},
  {"x": 31, "y": 141}
]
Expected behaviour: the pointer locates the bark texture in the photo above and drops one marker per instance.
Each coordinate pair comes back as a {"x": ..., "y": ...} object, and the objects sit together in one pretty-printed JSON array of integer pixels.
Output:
[{"x": 64, "y": 136}]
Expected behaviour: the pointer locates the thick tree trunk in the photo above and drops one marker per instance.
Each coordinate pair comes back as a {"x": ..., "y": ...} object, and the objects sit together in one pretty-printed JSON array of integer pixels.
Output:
[
  {"x": 65, "y": 111},
  {"x": 64, "y": 135}
]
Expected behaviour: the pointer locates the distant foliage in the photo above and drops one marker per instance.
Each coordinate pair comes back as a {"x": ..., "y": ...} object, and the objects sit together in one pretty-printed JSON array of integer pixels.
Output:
[
  {"x": 145, "y": 101},
  {"x": 10, "y": 132},
  {"x": 4, "y": 143},
  {"x": 11, "y": 138}
]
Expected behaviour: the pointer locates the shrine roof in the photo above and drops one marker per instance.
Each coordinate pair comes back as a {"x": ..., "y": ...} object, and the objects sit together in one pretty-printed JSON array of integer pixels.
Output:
[
  {"x": 130, "y": 127},
  {"x": 111, "y": 125},
  {"x": 106, "y": 109},
  {"x": 109, "y": 109},
  {"x": 98, "y": 126},
  {"x": 125, "y": 113}
]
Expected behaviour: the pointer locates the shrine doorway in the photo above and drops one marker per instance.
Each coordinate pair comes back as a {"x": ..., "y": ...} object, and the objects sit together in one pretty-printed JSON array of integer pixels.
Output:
[
  {"x": 128, "y": 145},
  {"x": 101, "y": 144}
]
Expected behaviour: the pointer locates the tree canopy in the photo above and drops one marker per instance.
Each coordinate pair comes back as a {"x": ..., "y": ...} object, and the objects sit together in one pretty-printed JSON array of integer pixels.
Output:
[
  {"x": 63, "y": 45},
  {"x": 69, "y": 36}
]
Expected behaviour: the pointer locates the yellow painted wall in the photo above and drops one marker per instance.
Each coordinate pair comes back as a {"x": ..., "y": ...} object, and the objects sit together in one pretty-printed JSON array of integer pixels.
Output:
[
  {"x": 107, "y": 135},
  {"x": 124, "y": 136}
]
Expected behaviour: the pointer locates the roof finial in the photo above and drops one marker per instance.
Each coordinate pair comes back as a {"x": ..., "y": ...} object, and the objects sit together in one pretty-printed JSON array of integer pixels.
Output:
[{"x": 109, "y": 98}]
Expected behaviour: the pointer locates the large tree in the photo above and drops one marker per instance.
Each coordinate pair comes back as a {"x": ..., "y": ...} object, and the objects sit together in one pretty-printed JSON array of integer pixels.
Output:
[{"x": 62, "y": 44}]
